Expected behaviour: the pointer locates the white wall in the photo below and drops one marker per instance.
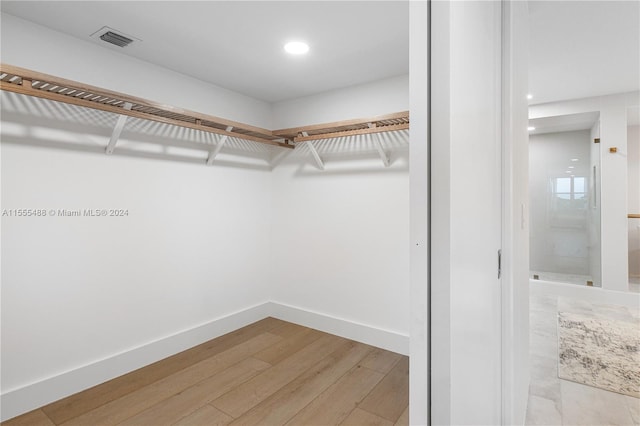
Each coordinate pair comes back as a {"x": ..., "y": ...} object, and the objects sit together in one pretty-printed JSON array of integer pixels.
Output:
[
  {"x": 340, "y": 237},
  {"x": 613, "y": 229},
  {"x": 559, "y": 239},
  {"x": 613, "y": 166},
  {"x": 633, "y": 158},
  {"x": 366, "y": 100},
  {"x": 28, "y": 45},
  {"x": 80, "y": 290}
]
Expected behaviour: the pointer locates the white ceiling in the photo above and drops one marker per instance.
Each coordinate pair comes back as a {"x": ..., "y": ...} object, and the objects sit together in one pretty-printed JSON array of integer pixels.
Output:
[
  {"x": 239, "y": 44},
  {"x": 577, "y": 48},
  {"x": 583, "y": 48},
  {"x": 580, "y": 121},
  {"x": 563, "y": 123}
]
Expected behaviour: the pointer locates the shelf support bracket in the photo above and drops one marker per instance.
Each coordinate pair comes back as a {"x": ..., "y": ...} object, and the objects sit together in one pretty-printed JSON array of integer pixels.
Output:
[
  {"x": 376, "y": 139},
  {"x": 314, "y": 152},
  {"x": 216, "y": 151},
  {"x": 117, "y": 129}
]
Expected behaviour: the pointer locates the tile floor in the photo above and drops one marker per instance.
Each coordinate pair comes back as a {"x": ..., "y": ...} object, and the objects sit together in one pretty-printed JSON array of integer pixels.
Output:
[{"x": 553, "y": 401}]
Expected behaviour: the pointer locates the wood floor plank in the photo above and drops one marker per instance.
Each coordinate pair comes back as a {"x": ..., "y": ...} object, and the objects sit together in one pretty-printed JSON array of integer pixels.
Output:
[
  {"x": 181, "y": 405},
  {"x": 288, "y": 329},
  {"x": 391, "y": 396},
  {"x": 288, "y": 401},
  {"x": 404, "y": 418},
  {"x": 278, "y": 352},
  {"x": 360, "y": 417},
  {"x": 82, "y": 402},
  {"x": 333, "y": 405},
  {"x": 269, "y": 373},
  {"x": 32, "y": 418},
  {"x": 135, "y": 402},
  {"x": 206, "y": 416},
  {"x": 251, "y": 393},
  {"x": 381, "y": 360}
]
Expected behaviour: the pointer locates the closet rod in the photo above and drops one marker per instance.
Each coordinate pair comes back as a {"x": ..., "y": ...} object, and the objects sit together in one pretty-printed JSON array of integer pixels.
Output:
[{"x": 31, "y": 83}]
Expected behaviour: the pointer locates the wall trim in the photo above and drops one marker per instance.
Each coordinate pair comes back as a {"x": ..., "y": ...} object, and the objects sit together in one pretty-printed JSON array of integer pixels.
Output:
[
  {"x": 21, "y": 400},
  {"x": 379, "y": 337}
]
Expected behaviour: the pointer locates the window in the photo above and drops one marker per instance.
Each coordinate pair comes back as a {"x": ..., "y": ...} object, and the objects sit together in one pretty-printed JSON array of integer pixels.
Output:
[{"x": 569, "y": 193}]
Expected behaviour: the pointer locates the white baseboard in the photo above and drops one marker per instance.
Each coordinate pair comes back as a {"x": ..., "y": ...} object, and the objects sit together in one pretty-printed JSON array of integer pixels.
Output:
[
  {"x": 591, "y": 294},
  {"x": 363, "y": 333},
  {"x": 26, "y": 398}
]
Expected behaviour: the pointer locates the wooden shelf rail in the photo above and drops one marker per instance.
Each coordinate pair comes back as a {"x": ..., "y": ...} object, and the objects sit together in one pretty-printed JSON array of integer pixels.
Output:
[
  {"x": 32, "y": 83},
  {"x": 361, "y": 126},
  {"x": 27, "y": 82},
  {"x": 633, "y": 215}
]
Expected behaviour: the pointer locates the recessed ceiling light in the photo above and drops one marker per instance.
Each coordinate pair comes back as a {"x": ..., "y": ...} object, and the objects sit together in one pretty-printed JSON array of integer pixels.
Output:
[
  {"x": 531, "y": 128},
  {"x": 572, "y": 167},
  {"x": 574, "y": 159},
  {"x": 529, "y": 96},
  {"x": 296, "y": 48},
  {"x": 568, "y": 171}
]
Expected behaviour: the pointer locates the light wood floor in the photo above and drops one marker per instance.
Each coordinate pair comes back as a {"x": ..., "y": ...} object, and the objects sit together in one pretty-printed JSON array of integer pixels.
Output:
[{"x": 268, "y": 373}]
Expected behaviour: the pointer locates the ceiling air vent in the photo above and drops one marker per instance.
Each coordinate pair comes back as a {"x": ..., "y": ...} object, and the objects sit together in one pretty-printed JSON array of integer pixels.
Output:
[{"x": 115, "y": 38}]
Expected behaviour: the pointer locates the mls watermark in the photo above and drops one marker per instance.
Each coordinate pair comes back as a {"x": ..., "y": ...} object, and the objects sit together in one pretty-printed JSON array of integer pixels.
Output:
[{"x": 65, "y": 213}]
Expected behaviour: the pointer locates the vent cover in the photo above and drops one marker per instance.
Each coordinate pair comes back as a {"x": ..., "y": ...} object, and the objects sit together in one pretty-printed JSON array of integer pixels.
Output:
[{"x": 115, "y": 38}]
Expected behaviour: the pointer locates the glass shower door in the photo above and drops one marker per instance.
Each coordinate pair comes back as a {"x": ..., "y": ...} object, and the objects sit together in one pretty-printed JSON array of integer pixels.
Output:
[{"x": 565, "y": 222}]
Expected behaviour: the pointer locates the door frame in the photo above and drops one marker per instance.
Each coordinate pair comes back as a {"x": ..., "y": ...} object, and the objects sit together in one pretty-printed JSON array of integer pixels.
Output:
[
  {"x": 511, "y": 380},
  {"x": 515, "y": 220}
]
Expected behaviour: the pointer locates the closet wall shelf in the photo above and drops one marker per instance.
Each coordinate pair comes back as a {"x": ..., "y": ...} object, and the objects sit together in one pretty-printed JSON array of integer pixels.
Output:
[
  {"x": 32, "y": 83},
  {"x": 27, "y": 82},
  {"x": 383, "y": 123}
]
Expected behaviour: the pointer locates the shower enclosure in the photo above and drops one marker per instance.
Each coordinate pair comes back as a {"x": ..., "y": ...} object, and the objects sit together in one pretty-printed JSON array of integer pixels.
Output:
[{"x": 564, "y": 202}]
